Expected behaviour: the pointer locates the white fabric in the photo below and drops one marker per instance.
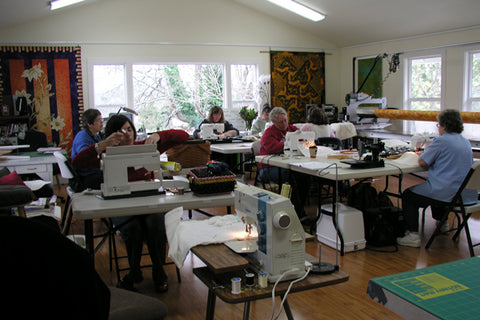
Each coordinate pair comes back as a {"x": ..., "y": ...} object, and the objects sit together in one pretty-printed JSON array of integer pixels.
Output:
[
  {"x": 183, "y": 235},
  {"x": 344, "y": 130}
]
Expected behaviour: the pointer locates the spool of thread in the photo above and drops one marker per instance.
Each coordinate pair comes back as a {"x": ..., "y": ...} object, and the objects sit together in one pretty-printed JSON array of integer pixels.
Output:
[
  {"x": 236, "y": 285},
  {"x": 250, "y": 279},
  {"x": 262, "y": 279}
]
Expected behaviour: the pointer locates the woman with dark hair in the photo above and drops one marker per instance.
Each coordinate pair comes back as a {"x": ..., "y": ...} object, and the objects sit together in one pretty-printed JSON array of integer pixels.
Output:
[
  {"x": 121, "y": 131},
  {"x": 317, "y": 121},
  {"x": 215, "y": 115},
  {"x": 448, "y": 160}
]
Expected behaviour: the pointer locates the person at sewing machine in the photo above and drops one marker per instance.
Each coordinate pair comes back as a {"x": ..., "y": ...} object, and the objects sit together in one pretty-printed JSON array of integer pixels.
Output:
[
  {"x": 90, "y": 134},
  {"x": 272, "y": 143},
  {"x": 215, "y": 115},
  {"x": 259, "y": 124},
  {"x": 121, "y": 131},
  {"x": 448, "y": 159},
  {"x": 317, "y": 121}
]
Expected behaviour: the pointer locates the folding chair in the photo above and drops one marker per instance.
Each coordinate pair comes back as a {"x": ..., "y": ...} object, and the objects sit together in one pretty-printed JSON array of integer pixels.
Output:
[{"x": 465, "y": 210}]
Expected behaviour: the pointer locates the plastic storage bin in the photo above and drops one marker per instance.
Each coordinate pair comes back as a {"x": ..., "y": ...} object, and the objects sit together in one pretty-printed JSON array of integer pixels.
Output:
[{"x": 350, "y": 222}]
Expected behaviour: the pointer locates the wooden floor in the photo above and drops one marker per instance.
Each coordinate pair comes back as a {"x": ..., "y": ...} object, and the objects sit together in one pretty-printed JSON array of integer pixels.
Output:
[{"x": 187, "y": 300}]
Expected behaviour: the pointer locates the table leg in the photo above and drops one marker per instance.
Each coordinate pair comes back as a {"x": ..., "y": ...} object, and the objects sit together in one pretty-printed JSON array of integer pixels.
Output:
[
  {"x": 210, "y": 305},
  {"x": 89, "y": 239},
  {"x": 287, "y": 309},
  {"x": 246, "y": 310}
]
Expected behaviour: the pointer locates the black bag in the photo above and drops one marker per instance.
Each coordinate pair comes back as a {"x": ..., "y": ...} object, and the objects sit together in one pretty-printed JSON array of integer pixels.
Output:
[
  {"x": 362, "y": 196},
  {"x": 382, "y": 226}
]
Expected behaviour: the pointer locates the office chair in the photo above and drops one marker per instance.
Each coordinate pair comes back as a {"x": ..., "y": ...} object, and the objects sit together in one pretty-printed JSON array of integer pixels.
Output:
[{"x": 458, "y": 207}]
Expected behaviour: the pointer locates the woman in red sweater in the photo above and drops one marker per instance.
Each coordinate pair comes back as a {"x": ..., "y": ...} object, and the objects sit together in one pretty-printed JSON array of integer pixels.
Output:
[{"x": 121, "y": 131}]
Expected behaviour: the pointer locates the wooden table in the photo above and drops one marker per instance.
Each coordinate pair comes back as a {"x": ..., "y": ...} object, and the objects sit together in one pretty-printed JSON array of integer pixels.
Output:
[{"x": 223, "y": 265}]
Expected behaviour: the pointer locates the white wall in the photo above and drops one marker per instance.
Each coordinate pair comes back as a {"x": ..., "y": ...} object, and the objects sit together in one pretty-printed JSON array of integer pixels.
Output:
[{"x": 173, "y": 30}]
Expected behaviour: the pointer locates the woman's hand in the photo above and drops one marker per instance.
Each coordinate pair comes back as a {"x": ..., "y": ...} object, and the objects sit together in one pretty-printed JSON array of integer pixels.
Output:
[
  {"x": 112, "y": 140},
  {"x": 153, "y": 139}
]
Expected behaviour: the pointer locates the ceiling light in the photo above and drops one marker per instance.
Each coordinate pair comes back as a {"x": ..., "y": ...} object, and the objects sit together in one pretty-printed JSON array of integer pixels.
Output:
[
  {"x": 57, "y": 4},
  {"x": 299, "y": 9}
]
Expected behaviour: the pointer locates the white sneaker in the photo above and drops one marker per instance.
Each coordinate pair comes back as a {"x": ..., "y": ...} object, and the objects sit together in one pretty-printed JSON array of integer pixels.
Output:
[
  {"x": 409, "y": 240},
  {"x": 445, "y": 227}
]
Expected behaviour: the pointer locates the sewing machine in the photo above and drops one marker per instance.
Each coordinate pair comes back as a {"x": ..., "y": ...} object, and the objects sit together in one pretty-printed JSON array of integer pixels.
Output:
[
  {"x": 298, "y": 142},
  {"x": 281, "y": 238},
  {"x": 365, "y": 115},
  {"x": 211, "y": 131},
  {"x": 115, "y": 162}
]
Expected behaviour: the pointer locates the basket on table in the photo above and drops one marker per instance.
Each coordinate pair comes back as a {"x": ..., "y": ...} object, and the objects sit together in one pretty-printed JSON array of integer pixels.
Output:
[{"x": 205, "y": 180}]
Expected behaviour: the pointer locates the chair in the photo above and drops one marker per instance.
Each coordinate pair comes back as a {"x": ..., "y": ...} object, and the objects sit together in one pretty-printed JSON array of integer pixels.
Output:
[
  {"x": 66, "y": 173},
  {"x": 66, "y": 270},
  {"x": 259, "y": 180},
  {"x": 471, "y": 182}
]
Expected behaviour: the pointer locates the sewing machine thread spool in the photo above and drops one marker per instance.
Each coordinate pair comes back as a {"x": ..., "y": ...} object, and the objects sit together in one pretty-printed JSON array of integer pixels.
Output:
[
  {"x": 236, "y": 285},
  {"x": 262, "y": 279},
  {"x": 250, "y": 279}
]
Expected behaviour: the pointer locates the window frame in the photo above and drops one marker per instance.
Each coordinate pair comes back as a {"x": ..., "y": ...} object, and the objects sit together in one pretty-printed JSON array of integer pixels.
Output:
[{"x": 467, "y": 84}]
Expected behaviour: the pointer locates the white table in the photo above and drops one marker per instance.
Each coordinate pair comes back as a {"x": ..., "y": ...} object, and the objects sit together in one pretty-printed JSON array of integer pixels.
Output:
[
  {"x": 318, "y": 167},
  {"x": 240, "y": 148},
  {"x": 41, "y": 164},
  {"x": 88, "y": 206}
]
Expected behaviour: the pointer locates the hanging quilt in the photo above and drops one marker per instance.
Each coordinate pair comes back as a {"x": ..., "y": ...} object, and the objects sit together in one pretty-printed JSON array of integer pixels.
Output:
[
  {"x": 297, "y": 79},
  {"x": 49, "y": 80}
]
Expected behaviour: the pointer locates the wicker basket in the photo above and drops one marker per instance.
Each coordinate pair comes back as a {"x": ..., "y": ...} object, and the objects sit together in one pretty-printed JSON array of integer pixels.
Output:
[
  {"x": 203, "y": 181},
  {"x": 192, "y": 154}
]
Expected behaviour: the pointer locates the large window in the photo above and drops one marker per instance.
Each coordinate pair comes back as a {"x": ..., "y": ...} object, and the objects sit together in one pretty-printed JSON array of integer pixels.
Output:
[
  {"x": 472, "y": 83},
  {"x": 173, "y": 95},
  {"x": 423, "y": 89}
]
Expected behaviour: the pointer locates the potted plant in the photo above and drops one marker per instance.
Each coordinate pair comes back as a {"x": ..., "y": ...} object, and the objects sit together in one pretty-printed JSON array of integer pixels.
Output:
[{"x": 248, "y": 115}]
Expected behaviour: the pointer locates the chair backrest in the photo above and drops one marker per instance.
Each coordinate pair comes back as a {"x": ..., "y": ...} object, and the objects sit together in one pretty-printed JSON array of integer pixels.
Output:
[
  {"x": 332, "y": 142},
  {"x": 474, "y": 177},
  {"x": 62, "y": 164},
  {"x": 256, "y": 147}
]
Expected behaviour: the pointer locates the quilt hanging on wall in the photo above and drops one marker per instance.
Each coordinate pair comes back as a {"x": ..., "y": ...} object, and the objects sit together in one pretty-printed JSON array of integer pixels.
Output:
[
  {"x": 370, "y": 76},
  {"x": 50, "y": 80},
  {"x": 297, "y": 79}
]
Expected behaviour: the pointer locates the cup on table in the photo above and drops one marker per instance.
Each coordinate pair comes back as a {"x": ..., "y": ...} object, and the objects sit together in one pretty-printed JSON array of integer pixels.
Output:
[{"x": 313, "y": 151}]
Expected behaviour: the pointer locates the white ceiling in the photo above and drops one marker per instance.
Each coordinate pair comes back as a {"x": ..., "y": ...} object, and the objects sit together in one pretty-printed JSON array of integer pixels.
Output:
[{"x": 348, "y": 22}]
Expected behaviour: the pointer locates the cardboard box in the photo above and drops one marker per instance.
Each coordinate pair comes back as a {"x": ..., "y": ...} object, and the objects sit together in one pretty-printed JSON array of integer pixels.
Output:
[{"x": 350, "y": 222}]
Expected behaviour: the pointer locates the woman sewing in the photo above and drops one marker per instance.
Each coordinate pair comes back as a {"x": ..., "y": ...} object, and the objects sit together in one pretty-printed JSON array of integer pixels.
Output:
[
  {"x": 136, "y": 229},
  {"x": 215, "y": 115}
]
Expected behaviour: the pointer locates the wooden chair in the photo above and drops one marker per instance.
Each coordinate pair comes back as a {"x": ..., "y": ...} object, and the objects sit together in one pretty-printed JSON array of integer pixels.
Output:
[{"x": 465, "y": 210}]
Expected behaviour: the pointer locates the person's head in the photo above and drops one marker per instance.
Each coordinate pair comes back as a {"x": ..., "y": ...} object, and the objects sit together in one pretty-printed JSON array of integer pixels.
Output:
[
  {"x": 118, "y": 122},
  {"x": 266, "y": 112},
  {"x": 278, "y": 117},
  {"x": 449, "y": 121},
  {"x": 317, "y": 115},
  {"x": 215, "y": 115},
  {"x": 92, "y": 119}
]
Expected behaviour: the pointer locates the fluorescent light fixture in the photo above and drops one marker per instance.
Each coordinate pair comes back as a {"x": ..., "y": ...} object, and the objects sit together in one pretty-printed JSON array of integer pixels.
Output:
[
  {"x": 299, "y": 9},
  {"x": 57, "y": 4}
]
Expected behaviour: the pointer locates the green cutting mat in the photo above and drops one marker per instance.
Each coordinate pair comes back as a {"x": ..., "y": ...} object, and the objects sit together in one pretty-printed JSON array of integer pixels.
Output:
[{"x": 448, "y": 291}]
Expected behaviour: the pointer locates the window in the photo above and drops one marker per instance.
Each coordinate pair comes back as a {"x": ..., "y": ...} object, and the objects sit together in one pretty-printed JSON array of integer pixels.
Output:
[
  {"x": 472, "y": 72},
  {"x": 423, "y": 89},
  {"x": 169, "y": 96}
]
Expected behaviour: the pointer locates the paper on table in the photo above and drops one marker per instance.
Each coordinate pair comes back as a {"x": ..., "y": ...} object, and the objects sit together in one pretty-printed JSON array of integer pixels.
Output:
[
  {"x": 314, "y": 165},
  {"x": 36, "y": 184},
  {"x": 408, "y": 158}
]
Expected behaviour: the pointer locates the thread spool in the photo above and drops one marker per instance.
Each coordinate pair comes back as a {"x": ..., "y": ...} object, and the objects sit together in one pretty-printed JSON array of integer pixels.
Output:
[
  {"x": 250, "y": 279},
  {"x": 236, "y": 285},
  {"x": 262, "y": 279}
]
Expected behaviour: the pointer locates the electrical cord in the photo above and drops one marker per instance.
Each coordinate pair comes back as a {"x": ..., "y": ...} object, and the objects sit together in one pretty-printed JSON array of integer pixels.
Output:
[{"x": 286, "y": 292}]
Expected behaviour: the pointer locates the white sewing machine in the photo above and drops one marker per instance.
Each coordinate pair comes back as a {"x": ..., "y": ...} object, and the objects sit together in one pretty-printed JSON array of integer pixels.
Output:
[
  {"x": 211, "y": 131},
  {"x": 364, "y": 115},
  {"x": 298, "y": 142},
  {"x": 115, "y": 162},
  {"x": 281, "y": 238}
]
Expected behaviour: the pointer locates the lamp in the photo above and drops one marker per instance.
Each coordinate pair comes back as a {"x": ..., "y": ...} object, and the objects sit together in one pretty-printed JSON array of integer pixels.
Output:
[
  {"x": 299, "y": 9},
  {"x": 57, "y": 4},
  {"x": 127, "y": 110}
]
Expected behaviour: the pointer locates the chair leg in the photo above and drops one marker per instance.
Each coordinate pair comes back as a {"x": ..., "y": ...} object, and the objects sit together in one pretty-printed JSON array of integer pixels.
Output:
[
  {"x": 437, "y": 230},
  {"x": 68, "y": 217}
]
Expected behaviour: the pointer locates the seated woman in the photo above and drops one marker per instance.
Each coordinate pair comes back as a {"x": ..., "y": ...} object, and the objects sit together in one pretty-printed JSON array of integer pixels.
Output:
[
  {"x": 259, "y": 124},
  {"x": 215, "y": 115},
  {"x": 317, "y": 121},
  {"x": 121, "y": 131}
]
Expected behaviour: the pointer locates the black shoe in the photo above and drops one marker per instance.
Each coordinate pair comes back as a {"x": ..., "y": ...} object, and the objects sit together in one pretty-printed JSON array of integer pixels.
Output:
[
  {"x": 127, "y": 284},
  {"x": 161, "y": 287}
]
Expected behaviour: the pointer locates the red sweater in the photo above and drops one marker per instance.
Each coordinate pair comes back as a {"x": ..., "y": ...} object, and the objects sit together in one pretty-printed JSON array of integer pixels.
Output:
[
  {"x": 273, "y": 141},
  {"x": 88, "y": 159}
]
